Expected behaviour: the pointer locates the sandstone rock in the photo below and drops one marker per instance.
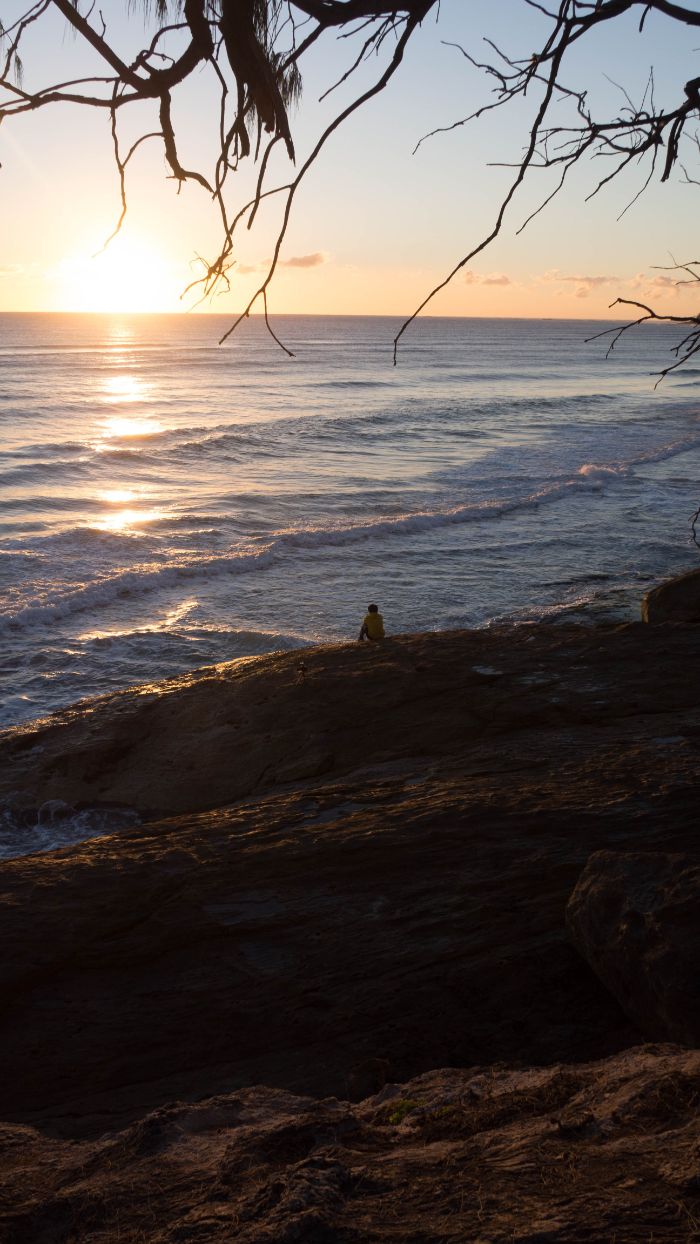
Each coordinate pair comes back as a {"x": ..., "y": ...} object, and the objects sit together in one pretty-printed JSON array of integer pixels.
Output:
[
  {"x": 486, "y": 1155},
  {"x": 636, "y": 920},
  {"x": 329, "y": 914},
  {"x": 325, "y": 946},
  {"x": 677, "y": 600},
  {"x": 219, "y": 734},
  {"x": 402, "y": 911}
]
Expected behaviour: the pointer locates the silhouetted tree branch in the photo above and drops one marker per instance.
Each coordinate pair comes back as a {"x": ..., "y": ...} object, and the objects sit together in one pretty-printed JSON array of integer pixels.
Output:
[
  {"x": 683, "y": 349},
  {"x": 254, "y": 49},
  {"x": 638, "y": 132}
]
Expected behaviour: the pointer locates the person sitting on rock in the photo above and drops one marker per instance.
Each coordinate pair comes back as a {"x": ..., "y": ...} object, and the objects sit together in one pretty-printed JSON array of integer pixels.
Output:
[{"x": 373, "y": 625}]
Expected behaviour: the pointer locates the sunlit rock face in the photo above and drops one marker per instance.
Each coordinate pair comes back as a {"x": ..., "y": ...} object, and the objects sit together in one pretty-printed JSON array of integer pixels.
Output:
[{"x": 676, "y": 600}]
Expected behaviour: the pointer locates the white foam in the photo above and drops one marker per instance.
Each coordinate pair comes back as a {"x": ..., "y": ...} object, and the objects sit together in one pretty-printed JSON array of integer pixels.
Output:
[
  {"x": 127, "y": 583},
  {"x": 663, "y": 452},
  {"x": 56, "y": 824}
]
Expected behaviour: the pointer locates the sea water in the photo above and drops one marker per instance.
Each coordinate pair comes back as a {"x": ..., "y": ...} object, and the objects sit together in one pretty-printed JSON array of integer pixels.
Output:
[{"x": 167, "y": 502}]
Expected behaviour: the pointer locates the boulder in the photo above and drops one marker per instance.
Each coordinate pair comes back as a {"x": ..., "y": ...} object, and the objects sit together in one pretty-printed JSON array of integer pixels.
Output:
[
  {"x": 676, "y": 600},
  {"x": 635, "y": 918}
]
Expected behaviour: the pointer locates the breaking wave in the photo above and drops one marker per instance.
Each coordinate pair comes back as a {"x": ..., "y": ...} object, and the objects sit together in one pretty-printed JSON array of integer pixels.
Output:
[{"x": 125, "y": 583}]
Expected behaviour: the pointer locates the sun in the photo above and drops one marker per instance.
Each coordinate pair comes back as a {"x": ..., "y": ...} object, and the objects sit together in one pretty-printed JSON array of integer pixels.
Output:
[{"x": 130, "y": 275}]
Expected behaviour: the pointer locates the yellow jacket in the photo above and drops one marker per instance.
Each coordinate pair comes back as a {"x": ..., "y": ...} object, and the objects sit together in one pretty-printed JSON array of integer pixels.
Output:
[{"x": 374, "y": 624}]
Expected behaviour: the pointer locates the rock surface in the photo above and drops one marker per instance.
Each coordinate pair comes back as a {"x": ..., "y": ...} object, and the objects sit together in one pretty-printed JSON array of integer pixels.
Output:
[
  {"x": 362, "y": 876},
  {"x": 636, "y": 920},
  {"x": 676, "y": 600},
  {"x": 338, "y": 932},
  {"x": 212, "y": 737},
  {"x": 557, "y": 1155}
]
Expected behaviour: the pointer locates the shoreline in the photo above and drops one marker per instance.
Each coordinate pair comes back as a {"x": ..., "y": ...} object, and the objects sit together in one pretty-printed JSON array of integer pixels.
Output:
[
  {"x": 613, "y": 606},
  {"x": 91, "y": 768},
  {"x": 98, "y": 747}
]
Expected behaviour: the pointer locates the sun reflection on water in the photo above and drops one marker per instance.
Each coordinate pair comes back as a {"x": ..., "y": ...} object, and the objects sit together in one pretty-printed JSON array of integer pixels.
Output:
[
  {"x": 123, "y": 387},
  {"x": 126, "y": 521},
  {"x": 124, "y": 427},
  {"x": 117, "y": 496},
  {"x": 169, "y": 620}
]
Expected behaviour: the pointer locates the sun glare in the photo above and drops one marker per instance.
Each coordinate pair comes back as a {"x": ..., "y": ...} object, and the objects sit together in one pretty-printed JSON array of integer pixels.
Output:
[
  {"x": 121, "y": 427},
  {"x": 123, "y": 388},
  {"x": 117, "y": 496},
  {"x": 126, "y": 521},
  {"x": 130, "y": 275}
]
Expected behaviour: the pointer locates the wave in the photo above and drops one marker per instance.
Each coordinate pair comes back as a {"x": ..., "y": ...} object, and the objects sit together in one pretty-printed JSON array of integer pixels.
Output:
[
  {"x": 125, "y": 455},
  {"x": 146, "y": 578},
  {"x": 44, "y": 470},
  {"x": 31, "y": 451},
  {"x": 662, "y": 453},
  {"x": 255, "y": 432},
  {"x": 90, "y": 538},
  {"x": 127, "y": 583},
  {"x": 266, "y": 437},
  {"x": 176, "y": 628},
  {"x": 344, "y": 383}
]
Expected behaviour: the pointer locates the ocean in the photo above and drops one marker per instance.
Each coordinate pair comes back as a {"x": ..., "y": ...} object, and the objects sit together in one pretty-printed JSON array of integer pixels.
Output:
[{"x": 168, "y": 503}]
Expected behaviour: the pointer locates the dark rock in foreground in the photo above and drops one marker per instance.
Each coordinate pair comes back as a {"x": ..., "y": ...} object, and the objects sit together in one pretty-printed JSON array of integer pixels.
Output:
[
  {"x": 322, "y": 942},
  {"x": 636, "y": 920},
  {"x": 329, "y": 934},
  {"x": 555, "y": 1155},
  {"x": 676, "y": 600}
]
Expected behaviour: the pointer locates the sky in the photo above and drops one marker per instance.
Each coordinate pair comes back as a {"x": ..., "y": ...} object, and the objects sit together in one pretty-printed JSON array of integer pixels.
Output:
[{"x": 376, "y": 225}]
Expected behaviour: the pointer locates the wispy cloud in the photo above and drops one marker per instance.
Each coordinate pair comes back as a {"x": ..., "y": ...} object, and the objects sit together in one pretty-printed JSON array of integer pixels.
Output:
[
  {"x": 666, "y": 284},
  {"x": 642, "y": 285},
  {"x": 585, "y": 282},
  {"x": 314, "y": 260},
  {"x": 486, "y": 278},
  {"x": 305, "y": 261}
]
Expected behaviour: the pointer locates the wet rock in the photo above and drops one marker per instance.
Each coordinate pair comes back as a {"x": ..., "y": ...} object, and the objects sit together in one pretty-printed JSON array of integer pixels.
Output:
[
  {"x": 676, "y": 600},
  {"x": 635, "y": 918}
]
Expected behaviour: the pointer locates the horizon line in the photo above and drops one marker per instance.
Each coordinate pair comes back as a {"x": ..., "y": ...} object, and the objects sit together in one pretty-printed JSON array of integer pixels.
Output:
[{"x": 308, "y": 315}]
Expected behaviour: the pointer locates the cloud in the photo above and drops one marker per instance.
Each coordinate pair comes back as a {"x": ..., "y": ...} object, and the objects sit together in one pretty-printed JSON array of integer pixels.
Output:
[
  {"x": 591, "y": 281},
  {"x": 314, "y": 260},
  {"x": 667, "y": 284},
  {"x": 486, "y": 278},
  {"x": 585, "y": 282},
  {"x": 305, "y": 261}
]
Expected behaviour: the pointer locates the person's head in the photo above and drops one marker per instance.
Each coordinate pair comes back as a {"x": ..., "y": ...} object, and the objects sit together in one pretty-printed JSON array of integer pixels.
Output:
[{"x": 372, "y": 609}]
